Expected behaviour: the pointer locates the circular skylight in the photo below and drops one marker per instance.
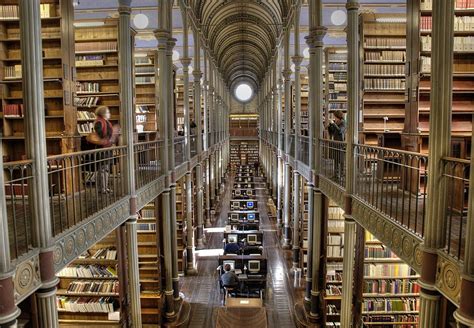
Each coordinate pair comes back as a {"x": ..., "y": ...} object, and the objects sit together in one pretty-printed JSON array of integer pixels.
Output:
[
  {"x": 243, "y": 92},
  {"x": 140, "y": 21},
  {"x": 338, "y": 17}
]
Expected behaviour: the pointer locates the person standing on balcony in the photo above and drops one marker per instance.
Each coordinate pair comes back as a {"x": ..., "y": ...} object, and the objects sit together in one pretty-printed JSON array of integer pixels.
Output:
[
  {"x": 337, "y": 131},
  {"x": 337, "y": 127}
]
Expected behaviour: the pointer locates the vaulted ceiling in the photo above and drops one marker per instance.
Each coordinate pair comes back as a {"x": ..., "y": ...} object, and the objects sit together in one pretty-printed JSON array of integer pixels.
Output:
[{"x": 242, "y": 34}]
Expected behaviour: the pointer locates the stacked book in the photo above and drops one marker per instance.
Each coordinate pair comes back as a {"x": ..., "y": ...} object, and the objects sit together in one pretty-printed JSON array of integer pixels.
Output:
[{"x": 88, "y": 271}]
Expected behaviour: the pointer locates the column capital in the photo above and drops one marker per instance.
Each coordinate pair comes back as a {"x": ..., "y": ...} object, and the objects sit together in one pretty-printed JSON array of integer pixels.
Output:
[
  {"x": 125, "y": 9},
  {"x": 186, "y": 61},
  {"x": 286, "y": 74},
  {"x": 171, "y": 42},
  {"x": 162, "y": 37},
  {"x": 316, "y": 36},
  {"x": 297, "y": 60},
  {"x": 197, "y": 75},
  {"x": 352, "y": 5},
  {"x": 124, "y": 3}
]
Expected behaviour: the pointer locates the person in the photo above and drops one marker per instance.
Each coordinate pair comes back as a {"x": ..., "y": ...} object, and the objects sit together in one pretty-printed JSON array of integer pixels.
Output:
[
  {"x": 337, "y": 130},
  {"x": 232, "y": 248},
  {"x": 229, "y": 278},
  {"x": 107, "y": 135}
]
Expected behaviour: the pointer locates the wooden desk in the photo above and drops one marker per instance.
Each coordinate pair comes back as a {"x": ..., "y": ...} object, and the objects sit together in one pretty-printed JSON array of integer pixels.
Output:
[{"x": 243, "y": 302}]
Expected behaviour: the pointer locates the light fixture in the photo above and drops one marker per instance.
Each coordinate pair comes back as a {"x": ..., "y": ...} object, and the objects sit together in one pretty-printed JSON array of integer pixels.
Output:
[
  {"x": 306, "y": 52},
  {"x": 140, "y": 21},
  {"x": 176, "y": 55},
  {"x": 338, "y": 17}
]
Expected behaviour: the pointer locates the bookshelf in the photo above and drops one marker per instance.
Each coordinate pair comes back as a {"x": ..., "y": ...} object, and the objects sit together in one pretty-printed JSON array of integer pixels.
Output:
[
  {"x": 383, "y": 49},
  {"x": 60, "y": 112},
  {"x": 391, "y": 292},
  {"x": 97, "y": 66},
  {"x": 89, "y": 292},
  {"x": 149, "y": 265},
  {"x": 180, "y": 221},
  {"x": 304, "y": 99},
  {"x": 146, "y": 77},
  {"x": 334, "y": 256},
  {"x": 463, "y": 71},
  {"x": 304, "y": 230},
  {"x": 336, "y": 80},
  {"x": 244, "y": 152}
]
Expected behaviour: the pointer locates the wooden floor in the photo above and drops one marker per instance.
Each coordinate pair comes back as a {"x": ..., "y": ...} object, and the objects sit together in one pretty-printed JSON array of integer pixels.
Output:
[{"x": 202, "y": 291}]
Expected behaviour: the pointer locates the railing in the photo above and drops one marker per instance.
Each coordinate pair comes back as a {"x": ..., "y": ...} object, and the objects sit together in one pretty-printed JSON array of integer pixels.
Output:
[
  {"x": 291, "y": 150},
  {"x": 333, "y": 161},
  {"x": 193, "y": 145},
  {"x": 147, "y": 162},
  {"x": 18, "y": 177},
  {"x": 83, "y": 183},
  {"x": 394, "y": 182},
  {"x": 456, "y": 177},
  {"x": 303, "y": 153},
  {"x": 179, "y": 150}
]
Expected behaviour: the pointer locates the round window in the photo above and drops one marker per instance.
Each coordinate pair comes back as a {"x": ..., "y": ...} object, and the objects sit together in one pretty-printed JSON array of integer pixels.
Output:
[{"x": 243, "y": 92}]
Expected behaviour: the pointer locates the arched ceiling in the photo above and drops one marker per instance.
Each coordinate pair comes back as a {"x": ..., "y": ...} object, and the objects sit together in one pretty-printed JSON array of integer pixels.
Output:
[{"x": 242, "y": 34}]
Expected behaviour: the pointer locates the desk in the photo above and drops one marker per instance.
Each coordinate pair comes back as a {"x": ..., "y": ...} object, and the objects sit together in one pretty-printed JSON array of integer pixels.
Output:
[{"x": 244, "y": 302}]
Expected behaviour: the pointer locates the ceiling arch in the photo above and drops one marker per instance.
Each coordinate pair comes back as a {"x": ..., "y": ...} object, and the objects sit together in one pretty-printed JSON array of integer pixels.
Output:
[{"x": 241, "y": 34}]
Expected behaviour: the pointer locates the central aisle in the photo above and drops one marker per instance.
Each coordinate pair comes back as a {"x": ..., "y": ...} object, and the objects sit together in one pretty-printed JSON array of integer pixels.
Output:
[{"x": 202, "y": 291}]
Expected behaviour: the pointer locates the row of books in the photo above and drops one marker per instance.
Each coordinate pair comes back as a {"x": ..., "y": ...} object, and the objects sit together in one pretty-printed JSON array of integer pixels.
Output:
[
  {"x": 96, "y": 46},
  {"x": 85, "y": 127},
  {"x": 144, "y": 79},
  {"x": 388, "y": 70},
  {"x": 142, "y": 109},
  {"x": 338, "y": 76},
  {"x": 85, "y": 115},
  {"x": 386, "y": 28},
  {"x": 333, "y": 275},
  {"x": 338, "y": 86},
  {"x": 13, "y": 110},
  {"x": 387, "y": 270},
  {"x": 91, "y": 60},
  {"x": 46, "y": 32},
  {"x": 95, "y": 33},
  {"x": 335, "y": 213},
  {"x": 143, "y": 61},
  {"x": 144, "y": 70},
  {"x": 332, "y": 309},
  {"x": 391, "y": 286},
  {"x": 336, "y": 239},
  {"x": 86, "y": 101},
  {"x": 146, "y": 226},
  {"x": 333, "y": 324},
  {"x": 337, "y": 67},
  {"x": 87, "y": 304},
  {"x": 140, "y": 118},
  {"x": 340, "y": 95},
  {"x": 88, "y": 271},
  {"x": 93, "y": 287},
  {"x": 460, "y": 4},
  {"x": 408, "y": 304},
  {"x": 385, "y": 42},
  {"x": 335, "y": 225},
  {"x": 333, "y": 289},
  {"x": 335, "y": 251},
  {"x": 461, "y": 23},
  {"x": 88, "y": 87},
  {"x": 461, "y": 43},
  {"x": 393, "y": 318},
  {"x": 12, "y": 11},
  {"x": 459, "y": 65},
  {"x": 384, "y": 84},
  {"x": 109, "y": 253},
  {"x": 375, "y": 56},
  {"x": 378, "y": 251},
  {"x": 12, "y": 72},
  {"x": 337, "y": 106}
]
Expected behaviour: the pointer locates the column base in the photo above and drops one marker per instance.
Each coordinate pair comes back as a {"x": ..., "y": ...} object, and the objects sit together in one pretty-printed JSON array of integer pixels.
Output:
[
  {"x": 176, "y": 289},
  {"x": 286, "y": 244},
  {"x": 200, "y": 243},
  {"x": 303, "y": 318},
  {"x": 462, "y": 320},
  {"x": 182, "y": 315},
  {"x": 191, "y": 271}
]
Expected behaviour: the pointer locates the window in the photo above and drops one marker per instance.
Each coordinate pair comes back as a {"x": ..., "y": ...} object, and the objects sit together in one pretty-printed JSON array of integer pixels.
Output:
[{"x": 243, "y": 92}]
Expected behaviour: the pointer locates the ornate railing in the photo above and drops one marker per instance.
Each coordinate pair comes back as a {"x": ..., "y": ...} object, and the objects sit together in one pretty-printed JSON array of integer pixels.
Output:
[
  {"x": 83, "y": 183},
  {"x": 193, "y": 145},
  {"x": 18, "y": 178},
  {"x": 456, "y": 177},
  {"x": 179, "y": 150},
  {"x": 303, "y": 153},
  {"x": 333, "y": 161},
  {"x": 147, "y": 162},
  {"x": 394, "y": 182}
]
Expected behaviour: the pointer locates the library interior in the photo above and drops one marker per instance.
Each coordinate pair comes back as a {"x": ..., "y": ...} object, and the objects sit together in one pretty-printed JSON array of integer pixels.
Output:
[{"x": 245, "y": 163}]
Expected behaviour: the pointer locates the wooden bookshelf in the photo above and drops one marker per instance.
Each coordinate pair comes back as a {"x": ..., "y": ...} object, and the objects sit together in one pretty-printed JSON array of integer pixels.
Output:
[
  {"x": 180, "y": 222},
  {"x": 146, "y": 77},
  {"x": 244, "y": 152},
  {"x": 383, "y": 47},
  {"x": 336, "y": 80},
  {"x": 149, "y": 265},
  {"x": 304, "y": 229},
  {"x": 391, "y": 292},
  {"x": 334, "y": 254},
  {"x": 98, "y": 79},
  {"x": 58, "y": 65},
  {"x": 89, "y": 292}
]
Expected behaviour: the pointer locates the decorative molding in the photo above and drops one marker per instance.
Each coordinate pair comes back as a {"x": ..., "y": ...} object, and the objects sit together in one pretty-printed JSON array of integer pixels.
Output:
[
  {"x": 332, "y": 190},
  {"x": 194, "y": 161},
  {"x": 404, "y": 243},
  {"x": 180, "y": 171},
  {"x": 78, "y": 239},
  {"x": 304, "y": 170},
  {"x": 27, "y": 277},
  {"x": 448, "y": 277},
  {"x": 150, "y": 192}
]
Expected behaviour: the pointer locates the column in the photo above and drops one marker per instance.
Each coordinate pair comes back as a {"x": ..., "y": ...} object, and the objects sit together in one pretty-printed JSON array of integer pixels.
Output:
[
  {"x": 162, "y": 34},
  {"x": 296, "y": 220},
  {"x": 279, "y": 159},
  {"x": 190, "y": 267},
  {"x": 128, "y": 124},
  {"x": 348, "y": 269},
  {"x": 32, "y": 63},
  {"x": 439, "y": 147},
  {"x": 208, "y": 194}
]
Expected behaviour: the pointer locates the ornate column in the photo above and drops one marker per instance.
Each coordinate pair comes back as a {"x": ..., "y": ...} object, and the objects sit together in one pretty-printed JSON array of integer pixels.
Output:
[
  {"x": 439, "y": 147},
  {"x": 165, "y": 85},
  {"x": 280, "y": 168},
  {"x": 35, "y": 139},
  {"x": 128, "y": 124},
  {"x": 286, "y": 174},
  {"x": 353, "y": 107},
  {"x": 296, "y": 220}
]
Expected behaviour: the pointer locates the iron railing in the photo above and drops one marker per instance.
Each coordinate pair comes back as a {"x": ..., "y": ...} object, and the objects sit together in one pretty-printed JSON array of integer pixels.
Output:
[
  {"x": 193, "y": 146},
  {"x": 333, "y": 159},
  {"x": 83, "y": 183},
  {"x": 179, "y": 150},
  {"x": 18, "y": 178},
  {"x": 394, "y": 182},
  {"x": 456, "y": 177},
  {"x": 147, "y": 162},
  {"x": 303, "y": 153}
]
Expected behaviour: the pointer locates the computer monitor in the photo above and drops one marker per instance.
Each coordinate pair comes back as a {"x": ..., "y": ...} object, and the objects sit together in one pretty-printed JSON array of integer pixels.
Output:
[
  {"x": 251, "y": 239},
  {"x": 232, "y": 238},
  {"x": 254, "y": 266},
  {"x": 229, "y": 262},
  {"x": 236, "y": 205},
  {"x": 251, "y": 217},
  {"x": 234, "y": 217},
  {"x": 250, "y": 205}
]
